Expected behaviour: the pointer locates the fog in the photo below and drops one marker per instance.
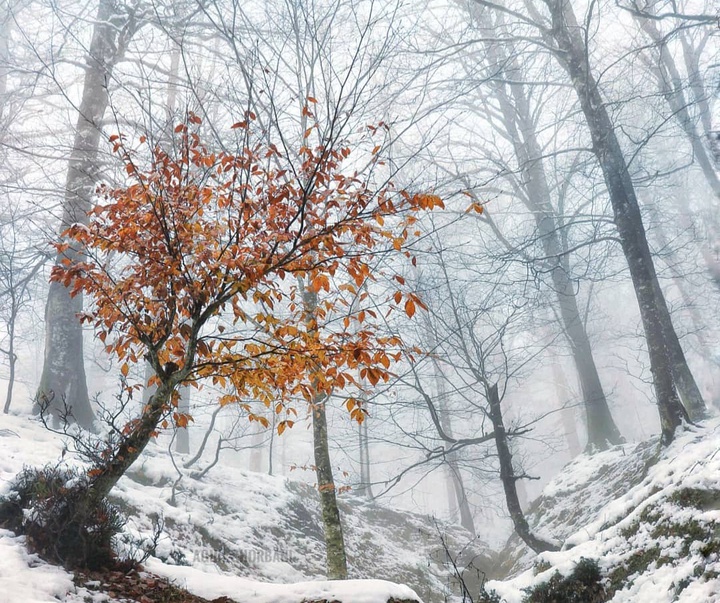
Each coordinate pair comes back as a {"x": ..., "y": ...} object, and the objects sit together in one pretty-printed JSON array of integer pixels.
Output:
[{"x": 573, "y": 266}]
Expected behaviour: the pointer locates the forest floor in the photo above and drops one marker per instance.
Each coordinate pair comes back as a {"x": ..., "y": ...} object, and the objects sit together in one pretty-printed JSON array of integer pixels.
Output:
[{"x": 244, "y": 536}]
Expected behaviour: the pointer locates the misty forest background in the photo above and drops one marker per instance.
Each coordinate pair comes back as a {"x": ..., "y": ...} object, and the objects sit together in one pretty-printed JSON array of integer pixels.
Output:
[{"x": 583, "y": 298}]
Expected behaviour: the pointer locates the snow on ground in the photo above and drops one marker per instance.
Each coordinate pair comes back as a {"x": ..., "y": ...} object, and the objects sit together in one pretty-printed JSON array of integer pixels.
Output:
[
  {"x": 654, "y": 512},
  {"x": 650, "y": 529},
  {"x": 243, "y": 590},
  {"x": 27, "y": 579},
  {"x": 232, "y": 522}
]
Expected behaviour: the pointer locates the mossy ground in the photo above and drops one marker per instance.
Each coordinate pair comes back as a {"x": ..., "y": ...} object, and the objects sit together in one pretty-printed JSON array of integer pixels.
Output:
[{"x": 665, "y": 534}]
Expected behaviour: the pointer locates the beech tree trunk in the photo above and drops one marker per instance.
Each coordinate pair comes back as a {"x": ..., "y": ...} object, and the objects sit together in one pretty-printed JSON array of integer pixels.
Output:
[
  {"x": 508, "y": 478},
  {"x": 123, "y": 455},
  {"x": 133, "y": 445},
  {"x": 257, "y": 450},
  {"x": 567, "y": 413},
  {"x": 182, "y": 434},
  {"x": 571, "y": 53},
  {"x": 365, "y": 488},
  {"x": 685, "y": 383},
  {"x": 332, "y": 526},
  {"x": 63, "y": 381},
  {"x": 458, "y": 484},
  {"x": 12, "y": 357}
]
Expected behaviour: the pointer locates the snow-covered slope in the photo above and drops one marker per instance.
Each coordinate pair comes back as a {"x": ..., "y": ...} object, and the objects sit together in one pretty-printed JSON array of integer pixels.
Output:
[
  {"x": 575, "y": 496},
  {"x": 255, "y": 525},
  {"x": 234, "y": 525},
  {"x": 649, "y": 517}
]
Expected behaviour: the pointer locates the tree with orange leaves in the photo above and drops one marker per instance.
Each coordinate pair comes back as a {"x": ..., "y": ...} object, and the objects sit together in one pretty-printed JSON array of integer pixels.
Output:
[{"x": 194, "y": 266}]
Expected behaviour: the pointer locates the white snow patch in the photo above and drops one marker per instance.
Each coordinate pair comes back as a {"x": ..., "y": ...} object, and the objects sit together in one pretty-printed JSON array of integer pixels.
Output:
[
  {"x": 244, "y": 590},
  {"x": 26, "y": 578}
]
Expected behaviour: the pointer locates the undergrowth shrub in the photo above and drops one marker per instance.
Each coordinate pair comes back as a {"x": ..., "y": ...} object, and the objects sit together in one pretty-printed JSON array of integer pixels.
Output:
[
  {"x": 488, "y": 596},
  {"x": 49, "y": 505},
  {"x": 583, "y": 585}
]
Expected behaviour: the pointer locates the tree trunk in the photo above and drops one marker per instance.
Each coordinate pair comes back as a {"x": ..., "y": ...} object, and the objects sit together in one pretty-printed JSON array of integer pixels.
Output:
[
  {"x": 63, "y": 378},
  {"x": 601, "y": 428},
  {"x": 466, "y": 516},
  {"x": 143, "y": 430},
  {"x": 567, "y": 414},
  {"x": 182, "y": 434},
  {"x": 653, "y": 311},
  {"x": 507, "y": 476},
  {"x": 132, "y": 446},
  {"x": 332, "y": 527},
  {"x": 271, "y": 443},
  {"x": 258, "y": 448},
  {"x": 12, "y": 357},
  {"x": 687, "y": 387},
  {"x": 365, "y": 488}
]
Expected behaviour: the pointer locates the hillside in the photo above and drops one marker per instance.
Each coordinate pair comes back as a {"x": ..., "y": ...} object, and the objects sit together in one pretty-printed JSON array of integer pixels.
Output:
[
  {"x": 640, "y": 525},
  {"x": 240, "y": 534},
  {"x": 648, "y": 520}
]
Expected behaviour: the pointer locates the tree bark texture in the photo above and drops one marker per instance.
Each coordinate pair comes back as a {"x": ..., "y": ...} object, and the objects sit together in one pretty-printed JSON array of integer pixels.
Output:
[
  {"x": 628, "y": 219},
  {"x": 332, "y": 526},
  {"x": 143, "y": 429},
  {"x": 12, "y": 357},
  {"x": 132, "y": 446},
  {"x": 63, "y": 378},
  {"x": 365, "y": 488},
  {"x": 182, "y": 434},
  {"x": 567, "y": 413}
]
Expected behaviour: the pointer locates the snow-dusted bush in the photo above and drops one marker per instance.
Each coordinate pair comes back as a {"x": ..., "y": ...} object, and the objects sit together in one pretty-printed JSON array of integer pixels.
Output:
[
  {"x": 45, "y": 504},
  {"x": 582, "y": 585}
]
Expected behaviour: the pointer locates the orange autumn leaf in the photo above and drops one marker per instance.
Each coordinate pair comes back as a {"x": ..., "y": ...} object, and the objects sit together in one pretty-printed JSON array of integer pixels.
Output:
[{"x": 410, "y": 308}]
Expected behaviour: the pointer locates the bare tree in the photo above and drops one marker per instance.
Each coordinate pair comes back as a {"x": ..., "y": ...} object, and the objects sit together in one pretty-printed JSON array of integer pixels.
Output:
[
  {"x": 667, "y": 360},
  {"x": 517, "y": 120},
  {"x": 473, "y": 324},
  {"x": 63, "y": 377},
  {"x": 20, "y": 264},
  {"x": 688, "y": 99},
  {"x": 559, "y": 31}
]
